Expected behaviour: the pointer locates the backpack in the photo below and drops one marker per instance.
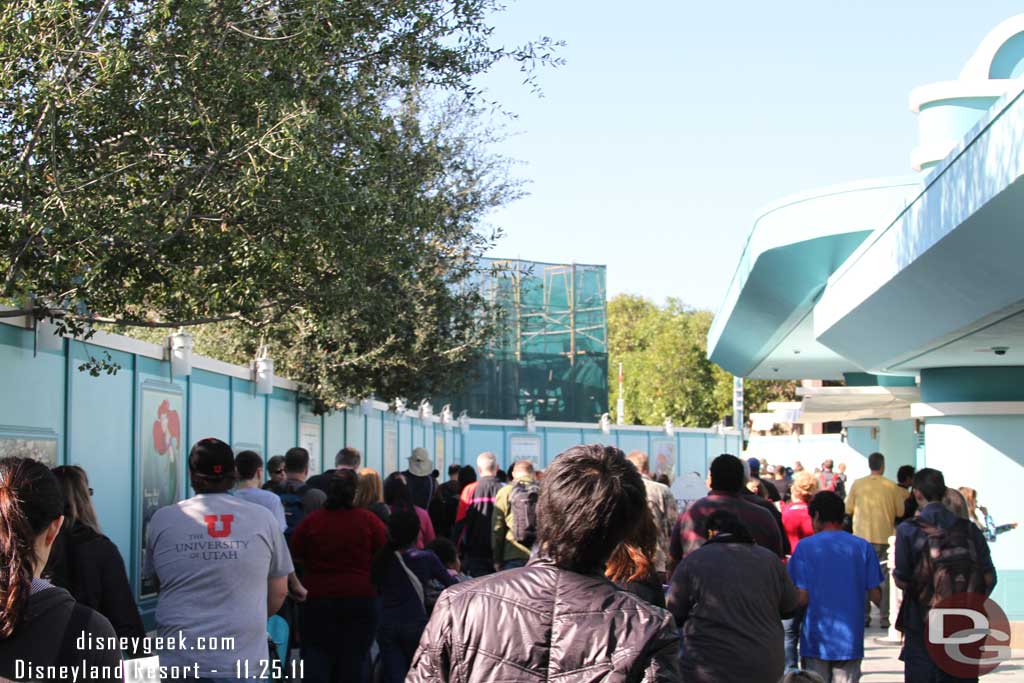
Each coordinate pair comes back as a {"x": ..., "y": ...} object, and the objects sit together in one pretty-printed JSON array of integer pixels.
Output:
[
  {"x": 947, "y": 563},
  {"x": 291, "y": 500},
  {"x": 523, "y": 506}
]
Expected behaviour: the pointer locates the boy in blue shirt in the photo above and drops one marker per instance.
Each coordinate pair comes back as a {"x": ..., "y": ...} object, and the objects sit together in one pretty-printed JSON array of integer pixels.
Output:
[{"x": 832, "y": 571}]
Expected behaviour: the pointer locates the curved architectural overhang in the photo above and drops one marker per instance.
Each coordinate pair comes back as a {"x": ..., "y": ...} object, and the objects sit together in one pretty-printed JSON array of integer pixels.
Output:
[
  {"x": 793, "y": 248},
  {"x": 949, "y": 266}
]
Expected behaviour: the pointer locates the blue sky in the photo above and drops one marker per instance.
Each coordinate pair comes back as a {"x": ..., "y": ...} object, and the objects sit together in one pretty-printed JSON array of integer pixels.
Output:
[{"x": 672, "y": 123}]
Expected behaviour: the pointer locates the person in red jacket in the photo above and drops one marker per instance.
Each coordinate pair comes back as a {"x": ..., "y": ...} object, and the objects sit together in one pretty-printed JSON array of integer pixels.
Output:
[{"x": 334, "y": 547}]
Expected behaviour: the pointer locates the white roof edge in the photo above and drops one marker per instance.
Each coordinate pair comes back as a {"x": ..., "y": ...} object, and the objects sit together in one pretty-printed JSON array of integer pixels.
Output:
[
  {"x": 955, "y": 90},
  {"x": 858, "y": 391}
]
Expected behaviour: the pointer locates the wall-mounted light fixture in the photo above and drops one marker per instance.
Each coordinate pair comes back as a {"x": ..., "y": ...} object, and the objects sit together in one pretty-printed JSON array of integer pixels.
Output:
[
  {"x": 606, "y": 424},
  {"x": 263, "y": 372},
  {"x": 426, "y": 410},
  {"x": 464, "y": 422},
  {"x": 366, "y": 406},
  {"x": 179, "y": 352},
  {"x": 446, "y": 415},
  {"x": 670, "y": 429},
  {"x": 399, "y": 405},
  {"x": 531, "y": 422}
]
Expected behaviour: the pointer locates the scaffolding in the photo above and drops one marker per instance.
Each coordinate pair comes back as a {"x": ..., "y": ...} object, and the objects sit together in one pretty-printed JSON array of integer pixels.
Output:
[{"x": 550, "y": 356}]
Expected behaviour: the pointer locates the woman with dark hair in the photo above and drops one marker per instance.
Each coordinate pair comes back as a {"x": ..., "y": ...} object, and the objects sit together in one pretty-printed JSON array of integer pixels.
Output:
[
  {"x": 402, "y": 574},
  {"x": 39, "y": 622},
  {"x": 86, "y": 563},
  {"x": 398, "y": 497},
  {"x": 729, "y": 597},
  {"x": 335, "y": 546},
  {"x": 631, "y": 566}
]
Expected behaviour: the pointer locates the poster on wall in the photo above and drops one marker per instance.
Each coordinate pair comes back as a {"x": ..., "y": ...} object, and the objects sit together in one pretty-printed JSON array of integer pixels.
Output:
[
  {"x": 40, "y": 445},
  {"x": 161, "y": 447},
  {"x": 439, "y": 456},
  {"x": 524, "y": 447},
  {"x": 309, "y": 438},
  {"x": 390, "y": 448},
  {"x": 663, "y": 457},
  {"x": 688, "y": 488}
]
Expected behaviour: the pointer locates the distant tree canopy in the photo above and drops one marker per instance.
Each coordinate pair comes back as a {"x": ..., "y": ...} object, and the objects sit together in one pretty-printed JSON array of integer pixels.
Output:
[
  {"x": 663, "y": 350},
  {"x": 310, "y": 175}
]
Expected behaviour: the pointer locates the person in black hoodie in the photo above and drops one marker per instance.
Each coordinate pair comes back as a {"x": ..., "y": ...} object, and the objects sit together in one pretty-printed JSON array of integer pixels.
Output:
[
  {"x": 86, "y": 563},
  {"x": 40, "y": 623}
]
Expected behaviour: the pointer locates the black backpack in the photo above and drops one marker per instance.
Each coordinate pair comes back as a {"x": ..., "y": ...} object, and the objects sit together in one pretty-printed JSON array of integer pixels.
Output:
[{"x": 523, "y": 506}]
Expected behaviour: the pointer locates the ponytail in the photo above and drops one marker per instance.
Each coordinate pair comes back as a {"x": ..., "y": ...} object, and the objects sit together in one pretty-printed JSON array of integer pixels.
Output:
[{"x": 30, "y": 499}]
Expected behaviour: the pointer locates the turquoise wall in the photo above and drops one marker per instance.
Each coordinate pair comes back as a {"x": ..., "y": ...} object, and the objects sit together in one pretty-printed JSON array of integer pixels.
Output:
[
  {"x": 95, "y": 422},
  {"x": 984, "y": 453}
]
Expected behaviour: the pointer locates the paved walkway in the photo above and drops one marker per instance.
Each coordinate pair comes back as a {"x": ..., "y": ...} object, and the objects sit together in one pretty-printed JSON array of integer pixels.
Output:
[{"x": 882, "y": 664}]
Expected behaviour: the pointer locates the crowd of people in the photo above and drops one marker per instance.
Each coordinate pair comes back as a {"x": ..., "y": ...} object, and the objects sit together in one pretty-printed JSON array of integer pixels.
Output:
[{"x": 585, "y": 570}]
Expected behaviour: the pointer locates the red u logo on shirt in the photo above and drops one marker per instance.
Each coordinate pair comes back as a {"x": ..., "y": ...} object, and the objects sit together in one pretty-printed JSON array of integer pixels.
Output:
[{"x": 225, "y": 524}]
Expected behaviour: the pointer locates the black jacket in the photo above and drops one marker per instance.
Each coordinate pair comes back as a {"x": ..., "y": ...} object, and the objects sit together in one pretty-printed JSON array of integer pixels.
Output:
[
  {"x": 544, "y": 623},
  {"x": 476, "y": 540},
  {"x": 40, "y": 636},
  {"x": 89, "y": 566}
]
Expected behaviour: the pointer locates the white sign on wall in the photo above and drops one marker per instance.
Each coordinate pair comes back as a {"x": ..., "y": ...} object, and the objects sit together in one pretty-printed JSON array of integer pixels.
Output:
[
  {"x": 390, "y": 448},
  {"x": 524, "y": 447},
  {"x": 309, "y": 438}
]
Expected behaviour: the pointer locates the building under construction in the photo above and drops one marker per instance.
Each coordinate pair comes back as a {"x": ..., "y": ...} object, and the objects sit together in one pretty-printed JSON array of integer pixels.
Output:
[{"x": 551, "y": 354}]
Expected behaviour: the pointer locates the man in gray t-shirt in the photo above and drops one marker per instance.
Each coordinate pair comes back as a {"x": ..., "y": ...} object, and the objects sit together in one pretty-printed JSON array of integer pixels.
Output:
[{"x": 222, "y": 566}]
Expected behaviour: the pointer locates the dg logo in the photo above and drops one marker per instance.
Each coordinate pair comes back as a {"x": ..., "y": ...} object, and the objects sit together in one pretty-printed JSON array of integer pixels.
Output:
[{"x": 967, "y": 635}]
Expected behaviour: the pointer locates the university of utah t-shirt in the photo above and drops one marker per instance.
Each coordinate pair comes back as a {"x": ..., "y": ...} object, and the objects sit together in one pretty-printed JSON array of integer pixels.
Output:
[{"x": 213, "y": 554}]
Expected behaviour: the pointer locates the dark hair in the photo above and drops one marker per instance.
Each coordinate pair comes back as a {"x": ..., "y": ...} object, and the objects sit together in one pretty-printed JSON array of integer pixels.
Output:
[
  {"x": 341, "y": 492},
  {"x": 453, "y": 470},
  {"x": 397, "y": 495},
  {"x": 275, "y": 463},
  {"x": 30, "y": 499},
  {"x": 591, "y": 496},
  {"x": 501, "y": 476},
  {"x": 876, "y": 461},
  {"x": 246, "y": 464},
  {"x": 348, "y": 457},
  {"x": 467, "y": 475},
  {"x": 828, "y": 507},
  {"x": 726, "y": 523},
  {"x": 662, "y": 478},
  {"x": 726, "y": 473},
  {"x": 403, "y": 530},
  {"x": 444, "y": 549},
  {"x": 931, "y": 484},
  {"x": 633, "y": 560},
  {"x": 296, "y": 460},
  {"x": 905, "y": 473},
  {"x": 74, "y": 482}
]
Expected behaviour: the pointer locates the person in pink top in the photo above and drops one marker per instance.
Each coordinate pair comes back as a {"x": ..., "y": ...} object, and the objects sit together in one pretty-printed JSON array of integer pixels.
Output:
[
  {"x": 798, "y": 524},
  {"x": 397, "y": 496}
]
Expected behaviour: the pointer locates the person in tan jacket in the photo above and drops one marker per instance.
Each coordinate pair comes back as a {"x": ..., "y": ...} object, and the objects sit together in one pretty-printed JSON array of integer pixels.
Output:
[{"x": 875, "y": 503}]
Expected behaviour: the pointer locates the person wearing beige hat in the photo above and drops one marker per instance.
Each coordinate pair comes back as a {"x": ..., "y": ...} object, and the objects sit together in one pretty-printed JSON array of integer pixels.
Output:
[{"x": 421, "y": 484}]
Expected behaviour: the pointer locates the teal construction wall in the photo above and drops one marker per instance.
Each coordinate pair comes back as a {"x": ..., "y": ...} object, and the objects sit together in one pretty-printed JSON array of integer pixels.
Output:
[{"x": 47, "y": 403}]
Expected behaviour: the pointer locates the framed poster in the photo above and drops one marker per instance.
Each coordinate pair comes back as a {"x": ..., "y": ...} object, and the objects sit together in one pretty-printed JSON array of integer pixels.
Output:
[
  {"x": 309, "y": 438},
  {"x": 688, "y": 488},
  {"x": 524, "y": 447},
  {"x": 439, "y": 456},
  {"x": 161, "y": 451},
  {"x": 29, "y": 442},
  {"x": 390, "y": 463},
  {"x": 663, "y": 460}
]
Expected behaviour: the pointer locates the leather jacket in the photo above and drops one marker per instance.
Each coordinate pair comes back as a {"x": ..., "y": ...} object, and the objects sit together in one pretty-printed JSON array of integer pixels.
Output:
[{"x": 542, "y": 623}]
